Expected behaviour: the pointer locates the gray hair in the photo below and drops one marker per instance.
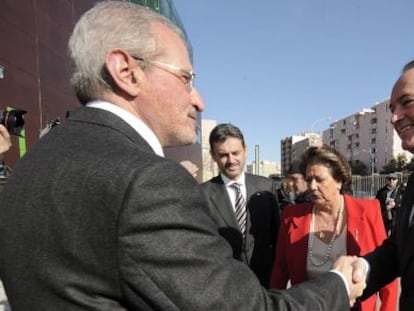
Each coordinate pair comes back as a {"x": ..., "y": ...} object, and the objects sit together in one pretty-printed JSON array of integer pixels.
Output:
[{"x": 109, "y": 25}]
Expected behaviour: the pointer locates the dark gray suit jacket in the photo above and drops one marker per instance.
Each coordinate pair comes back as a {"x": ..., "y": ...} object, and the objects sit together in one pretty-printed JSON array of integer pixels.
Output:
[
  {"x": 257, "y": 249},
  {"x": 92, "y": 219},
  {"x": 395, "y": 257}
]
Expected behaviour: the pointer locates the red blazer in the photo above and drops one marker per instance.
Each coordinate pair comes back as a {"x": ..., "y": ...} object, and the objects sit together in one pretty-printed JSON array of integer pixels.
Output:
[{"x": 365, "y": 231}]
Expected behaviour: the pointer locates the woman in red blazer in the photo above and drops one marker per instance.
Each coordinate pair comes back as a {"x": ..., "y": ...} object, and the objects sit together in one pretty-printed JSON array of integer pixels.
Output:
[{"x": 313, "y": 235}]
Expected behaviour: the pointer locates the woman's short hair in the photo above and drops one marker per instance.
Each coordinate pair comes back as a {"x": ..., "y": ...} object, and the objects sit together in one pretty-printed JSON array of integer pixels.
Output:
[{"x": 333, "y": 160}]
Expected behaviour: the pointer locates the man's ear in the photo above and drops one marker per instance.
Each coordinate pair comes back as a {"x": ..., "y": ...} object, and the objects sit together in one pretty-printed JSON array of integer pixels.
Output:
[
  {"x": 213, "y": 155},
  {"x": 124, "y": 71}
]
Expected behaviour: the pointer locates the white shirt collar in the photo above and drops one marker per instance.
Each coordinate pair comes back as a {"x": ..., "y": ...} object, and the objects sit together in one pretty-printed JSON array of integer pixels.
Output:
[
  {"x": 137, "y": 124},
  {"x": 227, "y": 181}
]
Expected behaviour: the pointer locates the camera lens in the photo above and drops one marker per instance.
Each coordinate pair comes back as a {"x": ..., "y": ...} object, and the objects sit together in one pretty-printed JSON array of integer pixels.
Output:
[{"x": 13, "y": 120}]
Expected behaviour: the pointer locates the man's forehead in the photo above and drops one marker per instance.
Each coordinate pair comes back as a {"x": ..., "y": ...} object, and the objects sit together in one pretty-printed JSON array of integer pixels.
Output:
[
  {"x": 405, "y": 80},
  {"x": 403, "y": 87}
]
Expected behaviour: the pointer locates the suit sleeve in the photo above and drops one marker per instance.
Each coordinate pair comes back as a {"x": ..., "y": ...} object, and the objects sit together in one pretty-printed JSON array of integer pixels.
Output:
[
  {"x": 384, "y": 265},
  {"x": 389, "y": 293},
  {"x": 171, "y": 257}
]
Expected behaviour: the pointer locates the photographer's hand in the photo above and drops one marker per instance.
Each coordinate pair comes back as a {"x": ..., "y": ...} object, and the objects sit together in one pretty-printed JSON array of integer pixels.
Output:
[{"x": 5, "y": 141}]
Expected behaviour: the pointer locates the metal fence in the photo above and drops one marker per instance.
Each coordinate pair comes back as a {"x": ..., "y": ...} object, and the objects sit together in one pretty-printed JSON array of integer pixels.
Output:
[{"x": 367, "y": 186}]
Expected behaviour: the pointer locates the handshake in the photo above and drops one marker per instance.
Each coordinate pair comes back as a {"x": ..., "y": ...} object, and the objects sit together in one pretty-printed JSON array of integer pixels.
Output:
[{"x": 354, "y": 271}]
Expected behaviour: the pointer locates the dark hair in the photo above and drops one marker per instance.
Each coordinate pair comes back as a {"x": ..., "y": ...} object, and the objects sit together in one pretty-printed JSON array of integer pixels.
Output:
[
  {"x": 408, "y": 66},
  {"x": 222, "y": 131},
  {"x": 296, "y": 168},
  {"x": 331, "y": 158}
]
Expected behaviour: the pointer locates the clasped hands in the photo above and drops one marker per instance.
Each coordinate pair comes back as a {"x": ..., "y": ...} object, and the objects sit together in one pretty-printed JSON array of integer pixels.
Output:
[{"x": 354, "y": 270}]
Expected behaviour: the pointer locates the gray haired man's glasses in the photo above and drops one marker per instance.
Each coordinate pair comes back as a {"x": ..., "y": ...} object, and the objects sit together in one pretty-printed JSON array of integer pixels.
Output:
[{"x": 187, "y": 77}]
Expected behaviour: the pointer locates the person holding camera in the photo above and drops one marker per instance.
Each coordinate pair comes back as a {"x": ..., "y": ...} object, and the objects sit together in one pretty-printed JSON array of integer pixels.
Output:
[
  {"x": 5, "y": 141},
  {"x": 95, "y": 218},
  {"x": 389, "y": 197}
]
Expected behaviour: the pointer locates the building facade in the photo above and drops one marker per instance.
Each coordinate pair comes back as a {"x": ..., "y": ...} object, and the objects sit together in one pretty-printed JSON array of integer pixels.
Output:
[
  {"x": 266, "y": 168},
  {"x": 292, "y": 148},
  {"x": 36, "y": 71},
  {"x": 366, "y": 136},
  {"x": 209, "y": 167}
]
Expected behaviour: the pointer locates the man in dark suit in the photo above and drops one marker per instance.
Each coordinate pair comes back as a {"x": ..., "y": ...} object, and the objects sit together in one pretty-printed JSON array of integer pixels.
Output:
[
  {"x": 389, "y": 197},
  {"x": 94, "y": 218},
  {"x": 256, "y": 245},
  {"x": 395, "y": 257}
]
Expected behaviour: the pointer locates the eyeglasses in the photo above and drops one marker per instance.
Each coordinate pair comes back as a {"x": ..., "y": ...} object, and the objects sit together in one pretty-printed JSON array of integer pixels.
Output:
[{"x": 187, "y": 77}]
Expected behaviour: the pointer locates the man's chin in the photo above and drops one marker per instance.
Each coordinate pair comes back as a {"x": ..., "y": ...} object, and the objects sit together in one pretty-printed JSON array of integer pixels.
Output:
[
  {"x": 408, "y": 145},
  {"x": 232, "y": 174},
  {"x": 180, "y": 140}
]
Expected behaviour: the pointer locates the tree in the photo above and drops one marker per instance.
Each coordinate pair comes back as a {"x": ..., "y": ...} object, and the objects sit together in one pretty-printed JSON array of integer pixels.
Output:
[
  {"x": 390, "y": 167},
  {"x": 401, "y": 162},
  {"x": 395, "y": 165},
  {"x": 409, "y": 166}
]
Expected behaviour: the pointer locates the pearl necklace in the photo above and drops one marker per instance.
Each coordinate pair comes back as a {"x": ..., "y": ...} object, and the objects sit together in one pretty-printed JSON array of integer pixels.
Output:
[
  {"x": 323, "y": 225},
  {"x": 328, "y": 251}
]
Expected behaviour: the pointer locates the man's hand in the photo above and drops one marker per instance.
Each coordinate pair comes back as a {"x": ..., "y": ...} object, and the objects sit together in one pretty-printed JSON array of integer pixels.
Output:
[
  {"x": 191, "y": 167},
  {"x": 5, "y": 141},
  {"x": 354, "y": 273},
  {"x": 359, "y": 272},
  {"x": 390, "y": 203}
]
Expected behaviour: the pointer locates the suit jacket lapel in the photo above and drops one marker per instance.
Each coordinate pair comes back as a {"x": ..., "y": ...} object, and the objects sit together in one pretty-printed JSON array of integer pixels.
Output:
[
  {"x": 222, "y": 203},
  {"x": 356, "y": 215},
  {"x": 251, "y": 189},
  {"x": 299, "y": 228},
  {"x": 403, "y": 231}
]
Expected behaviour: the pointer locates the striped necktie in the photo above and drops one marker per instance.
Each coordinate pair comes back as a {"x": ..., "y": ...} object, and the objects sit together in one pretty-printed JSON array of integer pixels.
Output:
[{"x": 240, "y": 208}]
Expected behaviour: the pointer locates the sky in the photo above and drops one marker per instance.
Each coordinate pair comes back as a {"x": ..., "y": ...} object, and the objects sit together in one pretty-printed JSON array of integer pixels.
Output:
[{"x": 277, "y": 68}]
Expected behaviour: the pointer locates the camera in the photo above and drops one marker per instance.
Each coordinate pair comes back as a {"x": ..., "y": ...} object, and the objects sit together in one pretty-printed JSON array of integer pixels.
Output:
[
  {"x": 389, "y": 201},
  {"x": 13, "y": 120}
]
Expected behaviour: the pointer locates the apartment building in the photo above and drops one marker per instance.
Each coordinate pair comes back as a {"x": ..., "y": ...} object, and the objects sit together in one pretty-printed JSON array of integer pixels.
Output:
[
  {"x": 366, "y": 136},
  {"x": 266, "y": 168},
  {"x": 209, "y": 167},
  {"x": 35, "y": 72},
  {"x": 292, "y": 147}
]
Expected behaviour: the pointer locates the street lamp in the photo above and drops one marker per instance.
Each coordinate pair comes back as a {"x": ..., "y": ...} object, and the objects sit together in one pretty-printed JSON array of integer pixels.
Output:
[
  {"x": 372, "y": 160},
  {"x": 257, "y": 159},
  {"x": 319, "y": 120}
]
